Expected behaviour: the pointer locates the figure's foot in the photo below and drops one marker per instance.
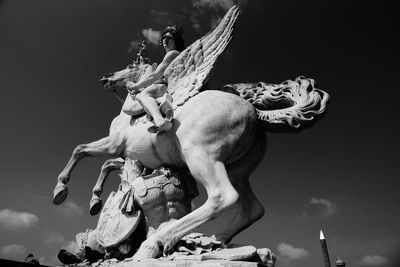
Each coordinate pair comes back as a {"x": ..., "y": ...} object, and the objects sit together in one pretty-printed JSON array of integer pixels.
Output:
[
  {"x": 165, "y": 126},
  {"x": 95, "y": 205},
  {"x": 60, "y": 193}
]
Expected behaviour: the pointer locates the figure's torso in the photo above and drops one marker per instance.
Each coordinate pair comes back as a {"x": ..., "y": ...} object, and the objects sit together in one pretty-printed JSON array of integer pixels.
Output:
[{"x": 163, "y": 199}]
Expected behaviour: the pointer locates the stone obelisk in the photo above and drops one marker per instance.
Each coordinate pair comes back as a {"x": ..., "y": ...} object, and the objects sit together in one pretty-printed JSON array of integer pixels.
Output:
[{"x": 324, "y": 248}]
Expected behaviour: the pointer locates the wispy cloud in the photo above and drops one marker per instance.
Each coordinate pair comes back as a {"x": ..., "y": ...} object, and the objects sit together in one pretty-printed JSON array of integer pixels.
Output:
[
  {"x": 71, "y": 247},
  {"x": 13, "y": 252},
  {"x": 290, "y": 252},
  {"x": 152, "y": 36},
  {"x": 373, "y": 260},
  {"x": 364, "y": 249},
  {"x": 52, "y": 239},
  {"x": 16, "y": 221},
  {"x": 133, "y": 46},
  {"x": 319, "y": 207},
  {"x": 70, "y": 209}
]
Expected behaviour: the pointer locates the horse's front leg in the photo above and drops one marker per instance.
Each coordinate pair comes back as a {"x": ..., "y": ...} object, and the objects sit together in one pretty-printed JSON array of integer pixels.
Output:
[
  {"x": 108, "y": 166},
  {"x": 102, "y": 147}
]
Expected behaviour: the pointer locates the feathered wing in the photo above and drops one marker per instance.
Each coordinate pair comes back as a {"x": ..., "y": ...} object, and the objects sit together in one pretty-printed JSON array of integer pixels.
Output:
[{"x": 189, "y": 71}]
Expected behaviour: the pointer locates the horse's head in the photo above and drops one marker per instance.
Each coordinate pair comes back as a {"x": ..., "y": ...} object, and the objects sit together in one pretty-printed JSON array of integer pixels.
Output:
[{"x": 133, "y": 72}]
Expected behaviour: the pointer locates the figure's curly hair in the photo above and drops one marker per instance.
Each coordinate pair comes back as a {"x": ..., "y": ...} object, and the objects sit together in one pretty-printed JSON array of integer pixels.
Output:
[{"x": 177, "y": 35}]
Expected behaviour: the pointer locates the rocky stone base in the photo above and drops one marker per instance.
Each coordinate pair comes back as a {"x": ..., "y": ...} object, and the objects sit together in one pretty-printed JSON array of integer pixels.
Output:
[
  {"x": 188, "y": 263},
  {"x": 232, "y": 255},
  {"x": 179, "y": 263}
]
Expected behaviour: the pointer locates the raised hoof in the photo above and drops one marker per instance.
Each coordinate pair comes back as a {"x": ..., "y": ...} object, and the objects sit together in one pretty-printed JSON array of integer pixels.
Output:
[
  {"x": 95, "y": 205},
  {"x": 60, "y": 194}
]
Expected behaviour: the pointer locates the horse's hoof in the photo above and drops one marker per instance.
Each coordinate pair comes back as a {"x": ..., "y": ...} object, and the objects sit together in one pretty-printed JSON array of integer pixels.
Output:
[
  {"x": 149, "y": 249},
  {"x": 95, "y": 205},
  {"x": 60, "y": 193}
]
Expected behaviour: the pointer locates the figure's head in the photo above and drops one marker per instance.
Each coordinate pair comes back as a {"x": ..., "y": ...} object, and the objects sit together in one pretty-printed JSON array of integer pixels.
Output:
[{"x": 171, "y": 38}]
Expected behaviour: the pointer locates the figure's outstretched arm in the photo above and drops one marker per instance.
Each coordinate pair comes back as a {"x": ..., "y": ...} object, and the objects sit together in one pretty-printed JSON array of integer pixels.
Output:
[{"x": 155, "y": 75}]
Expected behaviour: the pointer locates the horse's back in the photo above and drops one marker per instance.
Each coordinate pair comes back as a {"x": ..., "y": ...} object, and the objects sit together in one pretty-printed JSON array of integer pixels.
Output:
[{"x": 222, "y": 124}]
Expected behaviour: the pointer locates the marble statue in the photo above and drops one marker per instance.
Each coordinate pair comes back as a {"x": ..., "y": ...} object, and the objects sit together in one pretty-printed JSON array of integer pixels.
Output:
[{"x": 217, "y": 135}]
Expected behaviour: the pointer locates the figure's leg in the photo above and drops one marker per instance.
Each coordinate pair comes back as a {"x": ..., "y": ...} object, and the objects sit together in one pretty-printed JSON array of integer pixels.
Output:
[
  {"x": 147, "y": 98},
  {"x": 132, "y": 107},
  {"x": 221, "y": 195},
  {"x": 102, "y": 147},
  {"x": 108, "y": 166},
  {"x": 248, "y": 209}
]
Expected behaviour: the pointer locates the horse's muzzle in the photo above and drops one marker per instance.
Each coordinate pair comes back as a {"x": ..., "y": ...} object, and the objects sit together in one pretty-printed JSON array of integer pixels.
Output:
[{"x": 105, "y": 81}]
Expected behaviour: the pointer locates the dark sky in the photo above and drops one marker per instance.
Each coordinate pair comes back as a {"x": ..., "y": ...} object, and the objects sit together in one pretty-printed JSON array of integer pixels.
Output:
[{"x": 338, "y": 176}]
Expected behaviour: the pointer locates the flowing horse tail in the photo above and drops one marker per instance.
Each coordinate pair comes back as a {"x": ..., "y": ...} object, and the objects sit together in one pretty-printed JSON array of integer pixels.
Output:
[{"x": 289, "y": 106}]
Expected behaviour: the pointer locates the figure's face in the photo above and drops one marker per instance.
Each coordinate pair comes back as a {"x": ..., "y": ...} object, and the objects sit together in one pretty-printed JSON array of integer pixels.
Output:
[{"x": 168, "y": 41}]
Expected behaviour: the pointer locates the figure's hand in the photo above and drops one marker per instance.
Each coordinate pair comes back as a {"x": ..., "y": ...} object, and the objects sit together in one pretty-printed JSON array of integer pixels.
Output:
[
  {"x": 130, "y": 86},
  {"x": 132, "y": 89}
]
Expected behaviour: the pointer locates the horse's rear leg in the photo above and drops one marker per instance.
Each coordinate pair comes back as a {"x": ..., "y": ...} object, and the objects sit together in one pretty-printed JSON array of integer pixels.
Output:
[
  {"x": 108, "y": 166},
  {"x": 221, "y": 196},
  {"x": 102, "y": 147},
  {"x": 248, "y": 209}
]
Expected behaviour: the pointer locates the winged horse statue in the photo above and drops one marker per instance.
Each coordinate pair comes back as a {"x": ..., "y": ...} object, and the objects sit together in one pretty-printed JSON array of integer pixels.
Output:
[{"x": 218, "y": 135}]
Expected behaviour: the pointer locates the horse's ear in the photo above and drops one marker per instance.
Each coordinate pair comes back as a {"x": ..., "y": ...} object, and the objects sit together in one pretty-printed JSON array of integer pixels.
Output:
[{"x": 134, "y": 65}]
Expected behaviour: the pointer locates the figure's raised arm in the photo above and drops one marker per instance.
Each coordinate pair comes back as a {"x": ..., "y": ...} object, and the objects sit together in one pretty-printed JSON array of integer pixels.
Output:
[{"x": 155, "y": 75}]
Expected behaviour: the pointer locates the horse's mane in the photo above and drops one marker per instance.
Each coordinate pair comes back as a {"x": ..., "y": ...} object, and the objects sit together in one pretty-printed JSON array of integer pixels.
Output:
[
  {"x": 289, "y": 106},
  {"x": 140, "y": 70}
]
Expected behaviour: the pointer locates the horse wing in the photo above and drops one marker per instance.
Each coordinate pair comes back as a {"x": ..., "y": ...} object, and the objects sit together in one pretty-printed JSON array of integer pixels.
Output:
[{"x": 189, "y": 71}]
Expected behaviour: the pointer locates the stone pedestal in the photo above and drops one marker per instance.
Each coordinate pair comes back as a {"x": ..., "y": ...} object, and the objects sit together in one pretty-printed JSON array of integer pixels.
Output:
[
  {"x": 180, "y": 263},
  {"x": 188, "y": 263}
]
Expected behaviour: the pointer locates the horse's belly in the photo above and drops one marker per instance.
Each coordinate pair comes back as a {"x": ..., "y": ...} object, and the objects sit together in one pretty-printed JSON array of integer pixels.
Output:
[{"x": 152, "y": 150}]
